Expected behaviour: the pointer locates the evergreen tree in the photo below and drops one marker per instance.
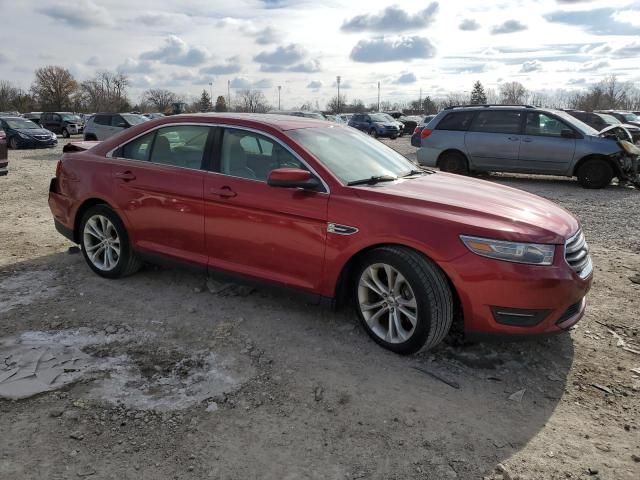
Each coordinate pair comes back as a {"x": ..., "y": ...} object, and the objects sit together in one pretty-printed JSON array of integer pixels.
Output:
[
  {"x": 478, "y": 95},
  {"x": 221, "y": 104},
  {"x": 205, "y": 102}
]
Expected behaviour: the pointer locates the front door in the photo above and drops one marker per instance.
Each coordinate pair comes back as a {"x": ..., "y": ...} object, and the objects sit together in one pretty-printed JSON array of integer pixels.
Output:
[
  {"x": 543, "y": 148},
  {"x": 493, "y": 140},
  {"x": 269, "y": 233},
  {"x": 158, "y": 181}
]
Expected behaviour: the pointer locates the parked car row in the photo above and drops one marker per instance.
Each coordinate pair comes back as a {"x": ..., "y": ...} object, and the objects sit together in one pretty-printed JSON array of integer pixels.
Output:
[
  {"x": 525, "y": 139},
  {"x": 4, "y": 157},
  {"x": 23, "y": 133}
]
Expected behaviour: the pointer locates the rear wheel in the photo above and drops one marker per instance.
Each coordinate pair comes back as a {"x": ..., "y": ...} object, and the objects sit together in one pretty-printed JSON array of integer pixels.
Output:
[
  {"x": 90, "y": 137},
  {"x": 454, "y": 162},
  {"x": 595, "y": 173},
  {"x": 403, "y": 299},
  {"x": 65, "y": 133},
  {"x": 105, "y": 243}
]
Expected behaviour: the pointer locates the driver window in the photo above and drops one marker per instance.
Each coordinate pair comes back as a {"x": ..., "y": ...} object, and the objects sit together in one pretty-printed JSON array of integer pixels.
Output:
[{"x": 253, "y": 156}]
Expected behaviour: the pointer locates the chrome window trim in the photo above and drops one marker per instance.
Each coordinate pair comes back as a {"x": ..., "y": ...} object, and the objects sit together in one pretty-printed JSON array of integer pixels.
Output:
[{"x": 109, "y": 154}]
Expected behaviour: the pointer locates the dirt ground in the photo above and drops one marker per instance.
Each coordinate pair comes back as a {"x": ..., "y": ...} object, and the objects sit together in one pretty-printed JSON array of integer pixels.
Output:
[{"x": 183, "y": 383}]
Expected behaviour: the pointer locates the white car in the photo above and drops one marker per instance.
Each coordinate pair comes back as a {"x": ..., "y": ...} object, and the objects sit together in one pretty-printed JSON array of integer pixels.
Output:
[{"x": 104, "y": 125}]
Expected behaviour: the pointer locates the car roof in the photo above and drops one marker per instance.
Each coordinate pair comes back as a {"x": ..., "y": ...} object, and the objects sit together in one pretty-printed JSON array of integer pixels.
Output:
[
  {"x": 13, "y": 117},
  {"x": 280, "y": 122}
]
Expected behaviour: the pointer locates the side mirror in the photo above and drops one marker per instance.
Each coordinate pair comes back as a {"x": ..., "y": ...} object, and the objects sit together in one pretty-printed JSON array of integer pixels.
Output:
[
  {"x": 292, "y": 178},
  {"x": 567, "y": 133}
]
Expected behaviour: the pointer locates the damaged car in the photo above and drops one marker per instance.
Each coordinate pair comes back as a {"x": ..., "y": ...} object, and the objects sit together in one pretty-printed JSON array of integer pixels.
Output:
[{"x": 522, "y": 139}]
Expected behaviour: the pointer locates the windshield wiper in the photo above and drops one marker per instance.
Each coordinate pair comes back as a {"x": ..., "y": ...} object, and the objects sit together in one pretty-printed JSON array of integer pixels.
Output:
[
  {"x": 420, "y": 171},
  {"x": 373, "y": 180}
]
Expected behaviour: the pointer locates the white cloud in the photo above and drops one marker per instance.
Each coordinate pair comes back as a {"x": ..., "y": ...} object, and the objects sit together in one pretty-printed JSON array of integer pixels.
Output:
[{"x": 176, "y": 51}]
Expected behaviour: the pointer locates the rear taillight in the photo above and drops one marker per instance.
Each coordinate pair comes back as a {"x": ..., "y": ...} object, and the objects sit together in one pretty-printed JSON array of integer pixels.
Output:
[
  {"x": 417, "y": 130},
  {"x": 425, "y": 133}
]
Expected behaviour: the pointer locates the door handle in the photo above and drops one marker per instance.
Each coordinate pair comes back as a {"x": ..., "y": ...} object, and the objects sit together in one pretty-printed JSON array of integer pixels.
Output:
[
  {"x": 514, "y": 139},
  {"x": 126, "y": 176},
  {"x": 224, "y": 192}
]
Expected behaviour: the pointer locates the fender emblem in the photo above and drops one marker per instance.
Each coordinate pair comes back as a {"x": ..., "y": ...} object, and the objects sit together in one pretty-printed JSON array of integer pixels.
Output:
[{"x": 341, "y": 229}]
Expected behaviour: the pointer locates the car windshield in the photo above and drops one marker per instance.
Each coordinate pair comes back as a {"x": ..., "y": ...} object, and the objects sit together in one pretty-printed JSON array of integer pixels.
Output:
[
  {"x": 134, "y": 119},
  {"x": 350, "y": 155},
  {"x": 575, "y": 123},
  {"x": 21, "y": 123},
  {"x": 630, "y": 117},
  {"x": 610, "y": 119},
  {"x": 71, "y": 118},
  {"x": 380, "y": 117}
]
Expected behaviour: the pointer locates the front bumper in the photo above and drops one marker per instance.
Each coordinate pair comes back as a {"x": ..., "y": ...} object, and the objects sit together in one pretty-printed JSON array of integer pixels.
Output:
[
  {"x": 487, "y": 287},
  {"x": 32, "y": 142},
  {"x": 389, "y": 132}
]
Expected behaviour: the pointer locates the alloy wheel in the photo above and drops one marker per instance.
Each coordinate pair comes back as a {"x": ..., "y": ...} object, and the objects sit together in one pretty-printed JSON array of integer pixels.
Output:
[
  {"x": 102, "y": 243},
  {"x": 387, "y": 303}
]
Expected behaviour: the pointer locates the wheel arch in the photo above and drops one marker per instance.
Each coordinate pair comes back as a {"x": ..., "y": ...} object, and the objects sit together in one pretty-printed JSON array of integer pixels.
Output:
[
  {"x": 452, "y": 150},
  {"x": 616, "y": 168},
  {"x": 86, "y": 205},
  {"x": 342, "y": 291}
]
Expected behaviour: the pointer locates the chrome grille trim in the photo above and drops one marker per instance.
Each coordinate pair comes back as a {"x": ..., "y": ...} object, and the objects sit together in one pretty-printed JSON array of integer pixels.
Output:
[{"x": 576, "y": 254}]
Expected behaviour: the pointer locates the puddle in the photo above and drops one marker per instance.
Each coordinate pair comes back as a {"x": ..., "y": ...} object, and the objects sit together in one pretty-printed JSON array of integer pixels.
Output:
[
  {"x": 120, "y": 369},
  {"x": 24, "y": 288}
]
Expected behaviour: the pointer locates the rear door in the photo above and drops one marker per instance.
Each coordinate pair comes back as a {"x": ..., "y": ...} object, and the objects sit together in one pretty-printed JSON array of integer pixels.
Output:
[
  {"x": 543, "y": 148},
  {"x": 158, "y": 181},
  {"x": 493, "y": 140},
  {"x": 253, "y": 229}
]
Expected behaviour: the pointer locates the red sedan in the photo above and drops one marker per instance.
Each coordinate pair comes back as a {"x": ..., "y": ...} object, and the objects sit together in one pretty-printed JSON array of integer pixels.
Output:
[{"x": 324, "y": 209}]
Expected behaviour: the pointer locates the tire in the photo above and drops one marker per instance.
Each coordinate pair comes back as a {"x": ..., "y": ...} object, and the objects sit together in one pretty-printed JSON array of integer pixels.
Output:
[
  {"x": 454, "y": 162},
  {"x": 595, "y": 173},
  {"x": 422, "y": 284},
  {"x": 13, "y": 143},
  {"x": 65, "y": 133},
  {"x": 90, "y": 137},
  {"x": 101, "y": 222},
  {"x": 373, "y": 132}
]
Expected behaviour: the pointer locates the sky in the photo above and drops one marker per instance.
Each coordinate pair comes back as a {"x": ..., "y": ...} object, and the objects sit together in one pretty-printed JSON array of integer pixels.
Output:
[{"x": 302, "y": 45}]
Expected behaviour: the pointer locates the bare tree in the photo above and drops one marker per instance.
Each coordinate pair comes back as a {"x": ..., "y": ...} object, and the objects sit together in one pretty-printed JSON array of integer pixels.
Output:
[
  {"x": 252, "y": 101},
  {"x": 106, "y": 92},
  {"x": 221, "y": 104},
  {"x": 337, "y": 105},
  {"x": 53, "y": 87},
  {"x": 357, "y": 106},
  {"x": 512, "y": 93},
  {"x": 160, "y": 99},
  {"x": 8, "y": 93}
]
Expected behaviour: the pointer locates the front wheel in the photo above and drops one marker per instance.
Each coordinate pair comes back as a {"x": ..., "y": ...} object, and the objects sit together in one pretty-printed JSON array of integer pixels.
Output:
[
  {"x": 595, "y": 173},
  {"x": 373, "y": 132},
  {"x": 13, "y": 143},
  {"x": 105, "y": 243},
  {"x": 65, "y": 133},
  {"x": 403, "y": 299}
]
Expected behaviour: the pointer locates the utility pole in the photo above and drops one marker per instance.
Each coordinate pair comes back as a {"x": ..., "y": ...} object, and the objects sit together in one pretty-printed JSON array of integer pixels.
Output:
[
  {"x": 378, "y": 96},
  {"x": 279, "y": 88},
  {"x": 338, "y": 82}
]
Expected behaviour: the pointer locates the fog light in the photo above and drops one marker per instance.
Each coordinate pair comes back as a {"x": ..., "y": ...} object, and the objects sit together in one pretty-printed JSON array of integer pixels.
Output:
[{"x": 518, "y": 317}]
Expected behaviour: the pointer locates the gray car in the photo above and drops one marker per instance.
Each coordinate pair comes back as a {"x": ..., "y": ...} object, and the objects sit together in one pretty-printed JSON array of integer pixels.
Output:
[{"x": 519, "y": 139}]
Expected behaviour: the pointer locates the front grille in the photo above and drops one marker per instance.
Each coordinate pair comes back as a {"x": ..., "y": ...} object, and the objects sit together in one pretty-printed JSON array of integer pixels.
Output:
[
  {"x": 570, "y": 312},
  {"x": 576, "y": 253},
  {"x": 42, "y": 137}
]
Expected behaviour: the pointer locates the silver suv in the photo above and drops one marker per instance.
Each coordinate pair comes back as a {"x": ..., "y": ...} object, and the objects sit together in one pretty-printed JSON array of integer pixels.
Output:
[
  {"x": 520, "y": 139},
  {"x": 104, "y": 125}
]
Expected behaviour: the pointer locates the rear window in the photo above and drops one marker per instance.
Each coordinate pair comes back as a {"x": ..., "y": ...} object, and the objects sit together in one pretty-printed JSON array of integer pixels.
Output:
[
  {"x": 455, "y": 121},
  {"x": 497, "y": 121}
]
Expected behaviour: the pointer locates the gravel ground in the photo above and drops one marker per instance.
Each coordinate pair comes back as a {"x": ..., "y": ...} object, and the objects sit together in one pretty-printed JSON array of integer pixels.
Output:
[{"x": 179, "y": 377}]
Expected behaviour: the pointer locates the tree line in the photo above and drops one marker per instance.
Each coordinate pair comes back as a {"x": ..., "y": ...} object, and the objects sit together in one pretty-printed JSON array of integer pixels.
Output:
[{"x": 54, "y": 88}]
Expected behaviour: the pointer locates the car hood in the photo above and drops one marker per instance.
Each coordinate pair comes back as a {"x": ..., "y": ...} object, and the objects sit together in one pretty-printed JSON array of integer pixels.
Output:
[
  {"x": 482, "y": 208},
  {"x": 33, "y": 131}
]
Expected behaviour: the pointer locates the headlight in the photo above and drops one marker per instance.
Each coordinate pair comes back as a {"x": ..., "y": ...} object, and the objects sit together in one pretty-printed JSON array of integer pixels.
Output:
[{"x": 531, "y": 253}]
